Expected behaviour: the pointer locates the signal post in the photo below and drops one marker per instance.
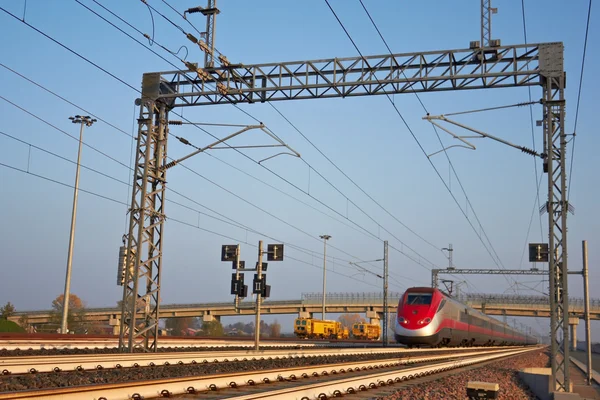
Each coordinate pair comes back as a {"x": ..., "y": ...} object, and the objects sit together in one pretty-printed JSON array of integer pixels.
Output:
[{"x": 259, "y": 284}]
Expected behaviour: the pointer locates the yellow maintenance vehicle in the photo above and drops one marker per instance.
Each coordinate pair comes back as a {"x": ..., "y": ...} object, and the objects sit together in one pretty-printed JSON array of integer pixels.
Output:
[
  {"x": 365, "y": 331},
  {"x": 318, "y": 329}
]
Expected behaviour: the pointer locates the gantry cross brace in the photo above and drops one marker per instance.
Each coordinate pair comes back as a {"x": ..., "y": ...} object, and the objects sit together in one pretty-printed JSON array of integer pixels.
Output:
[{"x": 433, "y": 71}]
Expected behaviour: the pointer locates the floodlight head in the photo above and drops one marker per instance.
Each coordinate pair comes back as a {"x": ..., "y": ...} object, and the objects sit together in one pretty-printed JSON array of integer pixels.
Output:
[{"x": 325, "y": 237}]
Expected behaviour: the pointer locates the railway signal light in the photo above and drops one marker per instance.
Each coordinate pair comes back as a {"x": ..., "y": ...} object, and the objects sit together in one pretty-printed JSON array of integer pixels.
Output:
[
  {"x": 538, "y": 252},
  {"x": 237, "y": 286},
  {"x": 229, "y": 252},
  {"x": 264, "y": 266},
  {"x": 238, "y": 265},
  {"x": 258, "y": 284},
  {"x": 275, "y": 252}
]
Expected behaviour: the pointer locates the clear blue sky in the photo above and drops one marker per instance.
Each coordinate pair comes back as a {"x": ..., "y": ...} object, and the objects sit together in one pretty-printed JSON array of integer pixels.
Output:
[{"x": 363, "y": 136}]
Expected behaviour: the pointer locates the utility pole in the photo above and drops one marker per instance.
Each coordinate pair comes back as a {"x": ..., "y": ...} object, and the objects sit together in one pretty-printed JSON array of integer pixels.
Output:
[
  {"x": 325, "y": 239},
  {"x": 385, "y": 294},
  {"x": 486, "y": 23},
  {"x": 87, "y": 121},
  {"x": 450, "y": 250},
  {"x": 258, "y": 297},
  {"x": 586, "y": 313}
]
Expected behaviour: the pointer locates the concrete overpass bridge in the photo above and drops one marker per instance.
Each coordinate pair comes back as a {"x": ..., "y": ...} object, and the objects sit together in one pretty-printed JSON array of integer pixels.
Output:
[{"x": 370, "y": 304}]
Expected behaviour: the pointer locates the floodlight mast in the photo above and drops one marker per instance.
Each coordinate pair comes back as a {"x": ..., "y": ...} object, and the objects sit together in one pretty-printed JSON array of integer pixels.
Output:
[{"x": 475, "y": 68}]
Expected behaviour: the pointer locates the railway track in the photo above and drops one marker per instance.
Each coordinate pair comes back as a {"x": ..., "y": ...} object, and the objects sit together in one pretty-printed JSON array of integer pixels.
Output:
[
  {"x": 41, "y": 364},
  {"x": 44, "y": 342},
  {"x": 298, "y": 382}
]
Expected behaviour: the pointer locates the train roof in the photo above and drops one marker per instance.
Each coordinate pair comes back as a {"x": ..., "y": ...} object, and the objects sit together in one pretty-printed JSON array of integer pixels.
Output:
[{"x": 422, "y": 289}]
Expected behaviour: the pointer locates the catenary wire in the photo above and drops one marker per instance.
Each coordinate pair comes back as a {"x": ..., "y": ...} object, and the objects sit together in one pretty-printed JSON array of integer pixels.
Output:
[
  {"x": 419, "y": 144},
  {"x": 112, "y": 75},
  {"x": 535, "y": 168},
  {"x": 415, "y": 138},
  {"x": 170, "y": 219},
  {"x": 230, "y": 222},
  {"x": 587, "y": 28},
  {"x": 62, "y": 98},
  {"x": 394, "y": 248},
  {"x": 436, "y": 132}
]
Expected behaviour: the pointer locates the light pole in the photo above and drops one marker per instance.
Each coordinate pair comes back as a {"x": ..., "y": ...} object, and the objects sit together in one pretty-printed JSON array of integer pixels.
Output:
[
  {"x": 87, "y": 121},
  {"x": 325, "y": 239},
  {"x": 450, "y": 250}
]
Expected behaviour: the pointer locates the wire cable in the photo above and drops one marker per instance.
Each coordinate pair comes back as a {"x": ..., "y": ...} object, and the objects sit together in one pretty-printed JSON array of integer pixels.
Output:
[
  {"x": 75, "y": 105},
  {"x": 120, "y": 80},
  {"x": 246, "y": 156},
  {"x": 587, "y": 28},
  {"x": 62, "y": 131},
  {"x": 535, "y": 168},
  {"x": 170, "y": 219},
  {"x": 69, "y": 50},
  {"x": 418, "y": 142}
]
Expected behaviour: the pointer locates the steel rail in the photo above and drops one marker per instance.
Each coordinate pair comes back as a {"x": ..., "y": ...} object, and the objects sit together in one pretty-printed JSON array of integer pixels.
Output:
[
  {"x": 110, "y": 343},
  {"x": 27, "y": 364},
  {"x": 175, "y": 386},
  {"x": 340, "y": 387}
]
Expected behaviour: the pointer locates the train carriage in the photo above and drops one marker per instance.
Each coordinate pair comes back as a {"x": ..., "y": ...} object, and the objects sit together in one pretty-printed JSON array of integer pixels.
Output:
[
  {"x": 365, "y": 331},
  {"x": 319, "y": 329},
  {"x": 428, "y": 317}
]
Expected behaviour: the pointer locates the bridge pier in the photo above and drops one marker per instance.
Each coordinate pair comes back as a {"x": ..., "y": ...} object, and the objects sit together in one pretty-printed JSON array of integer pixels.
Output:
[
  {"x": 573, "y": 322},
  {"x": 305, "y": 314},
  {"x": 374, "y": 317},
  {"x": 116, "y": 325},
  {"x": 211, "y": 318}
]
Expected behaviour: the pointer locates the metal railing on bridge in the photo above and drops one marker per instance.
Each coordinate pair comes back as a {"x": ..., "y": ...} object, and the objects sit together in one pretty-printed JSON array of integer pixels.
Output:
[{"x": 350, "y": 298}]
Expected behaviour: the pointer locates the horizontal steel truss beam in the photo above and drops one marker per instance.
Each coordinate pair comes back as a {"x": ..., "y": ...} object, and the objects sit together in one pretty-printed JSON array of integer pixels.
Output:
[
  {"x": 491, "y": 271},
  {"x": 505, "y": 66}
]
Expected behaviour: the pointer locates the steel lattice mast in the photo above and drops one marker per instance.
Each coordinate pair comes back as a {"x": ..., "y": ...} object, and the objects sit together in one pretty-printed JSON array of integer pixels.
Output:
[{"x": 476, "y": 68}]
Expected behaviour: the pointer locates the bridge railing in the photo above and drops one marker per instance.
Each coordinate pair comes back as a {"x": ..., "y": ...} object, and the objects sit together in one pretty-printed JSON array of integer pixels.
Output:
[{"x": 350, "y": 298}]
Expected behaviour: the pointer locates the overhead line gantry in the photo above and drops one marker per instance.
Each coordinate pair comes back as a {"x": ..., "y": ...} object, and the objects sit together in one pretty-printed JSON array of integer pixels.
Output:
[{"x": 433, "y": 71}]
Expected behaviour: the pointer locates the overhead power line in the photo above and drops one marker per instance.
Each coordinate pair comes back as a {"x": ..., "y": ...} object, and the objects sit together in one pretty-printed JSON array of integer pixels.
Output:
[
  {"x": 62, "y": 45},
  {"x": 585, "y": 40},
  {"x": 262, "y": 165},
  {"x": 421, "y": 147},
  {"x": 170, "y": 219},
  {"x": 535, "y": 168}
]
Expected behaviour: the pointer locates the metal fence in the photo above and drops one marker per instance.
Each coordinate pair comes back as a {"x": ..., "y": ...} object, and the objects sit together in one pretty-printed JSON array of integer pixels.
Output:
[
  {"x": 479, "y": 298},
  {"x": 350, "y": 298}
]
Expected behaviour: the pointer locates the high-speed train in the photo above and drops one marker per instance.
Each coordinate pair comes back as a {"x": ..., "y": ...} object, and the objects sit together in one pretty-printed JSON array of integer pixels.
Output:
[{"x": 428, "y": 317}]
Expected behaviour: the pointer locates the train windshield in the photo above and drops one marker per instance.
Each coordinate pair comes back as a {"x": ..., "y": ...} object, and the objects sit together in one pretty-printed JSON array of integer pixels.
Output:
[{"x": 418, "y": 298}]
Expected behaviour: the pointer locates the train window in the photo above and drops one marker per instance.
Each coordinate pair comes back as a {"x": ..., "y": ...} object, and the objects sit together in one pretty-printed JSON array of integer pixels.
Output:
[
  {"x": 304, "y": 322},
  {"x": 442, "y": 303},
  {"x": 418, "y": 299}
]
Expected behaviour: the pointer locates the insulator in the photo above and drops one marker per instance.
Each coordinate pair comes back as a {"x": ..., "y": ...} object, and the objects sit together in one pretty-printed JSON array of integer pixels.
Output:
[
  {"x": 224, "y": 60},
  {"x": 147, "y": 36},
  {"x": 192, "y": 38},
  {"x": 183, "y": 140},
  {"x": 175, "y": 122},
  {"x": 171, "y": 164},
  {"x": 193, "y": 10},
  {"x": 203, "y": 74},
  {"x": 529, "y": 151},
  {"x": 191, "y": 66},
  {"x": 222, "y": 88},
  {"x": 203, "y": 46}
]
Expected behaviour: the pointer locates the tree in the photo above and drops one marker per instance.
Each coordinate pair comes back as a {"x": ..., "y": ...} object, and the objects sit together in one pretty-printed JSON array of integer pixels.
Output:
[
  {"x": 212, "y": 328},
  {"x": 75, "y": 303},
  {"x": 75, "y": 314},
  {"x": 348, "y": 320},
  {"x": 7, "y": 311},
  {"x": 181, "y": 326},
  {"x": 275, "y": 329}
]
